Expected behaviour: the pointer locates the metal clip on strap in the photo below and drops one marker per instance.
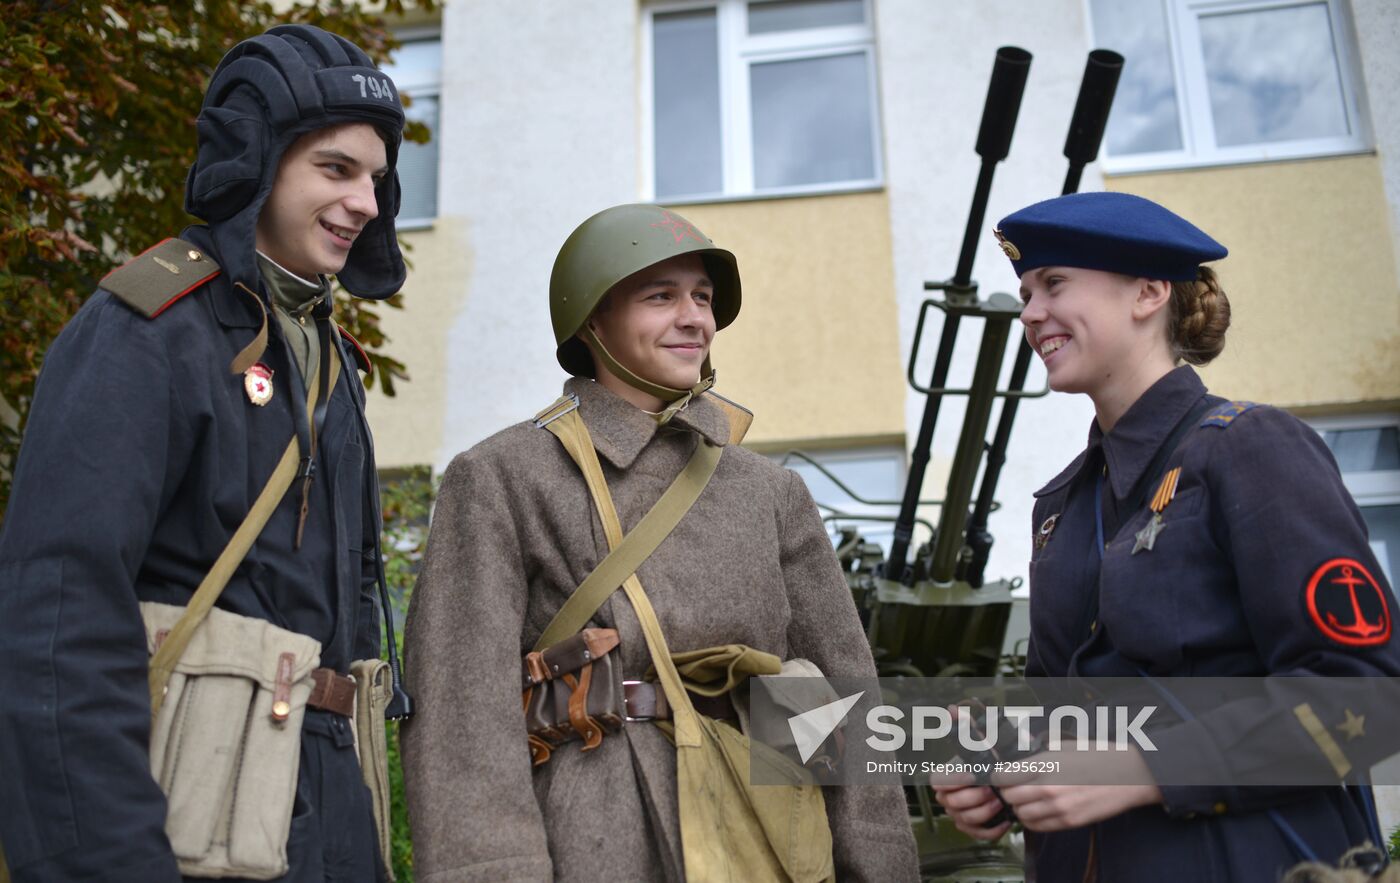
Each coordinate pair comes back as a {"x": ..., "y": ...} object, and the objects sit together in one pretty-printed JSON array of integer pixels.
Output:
[{"x": 562, "y": 405}]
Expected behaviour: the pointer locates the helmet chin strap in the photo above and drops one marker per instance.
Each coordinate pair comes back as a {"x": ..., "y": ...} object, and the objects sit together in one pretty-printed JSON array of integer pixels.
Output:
[{"x": 678, "y": 398}]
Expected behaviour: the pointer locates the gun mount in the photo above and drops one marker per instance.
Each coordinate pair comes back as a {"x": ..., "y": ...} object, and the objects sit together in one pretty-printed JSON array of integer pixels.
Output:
[{"x": 933, "y": 614}]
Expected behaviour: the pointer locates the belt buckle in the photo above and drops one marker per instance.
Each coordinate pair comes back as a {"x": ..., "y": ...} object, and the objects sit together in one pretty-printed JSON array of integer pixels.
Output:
[{"x": 625, "y": 716}]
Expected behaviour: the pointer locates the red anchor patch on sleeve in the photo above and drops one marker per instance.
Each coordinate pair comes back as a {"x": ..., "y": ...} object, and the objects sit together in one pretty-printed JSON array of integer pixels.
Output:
[{"x": 1348, "y": 605}]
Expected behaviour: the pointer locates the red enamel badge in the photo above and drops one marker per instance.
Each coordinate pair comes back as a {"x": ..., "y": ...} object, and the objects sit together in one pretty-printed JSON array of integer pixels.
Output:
[
  {"x": 1348, "y": 605},
  {"x": 257, "y": 382}
]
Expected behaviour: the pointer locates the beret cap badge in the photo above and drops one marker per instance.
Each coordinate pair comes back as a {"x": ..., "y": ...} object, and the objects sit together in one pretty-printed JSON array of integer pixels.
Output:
[{"x": 1007, "y": 246}]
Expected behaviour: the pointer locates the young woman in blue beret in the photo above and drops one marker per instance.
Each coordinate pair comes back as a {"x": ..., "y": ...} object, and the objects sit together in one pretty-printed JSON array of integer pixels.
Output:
[{"x": 1193, "y": 537}]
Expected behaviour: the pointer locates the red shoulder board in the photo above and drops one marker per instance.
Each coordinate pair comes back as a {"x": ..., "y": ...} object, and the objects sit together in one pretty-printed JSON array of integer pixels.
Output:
[
  {"x": 361, "y": 357},
  {"x": 162, "y": 274}
]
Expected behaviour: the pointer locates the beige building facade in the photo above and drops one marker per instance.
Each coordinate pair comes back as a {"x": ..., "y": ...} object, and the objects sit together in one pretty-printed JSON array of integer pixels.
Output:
[{"x": 829, "y": 144}]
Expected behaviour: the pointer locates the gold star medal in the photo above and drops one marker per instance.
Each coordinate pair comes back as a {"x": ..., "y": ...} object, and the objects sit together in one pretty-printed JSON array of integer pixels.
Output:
[
  {"x": 257, "y": 383},
  {"x": 1147, "y": 537}
]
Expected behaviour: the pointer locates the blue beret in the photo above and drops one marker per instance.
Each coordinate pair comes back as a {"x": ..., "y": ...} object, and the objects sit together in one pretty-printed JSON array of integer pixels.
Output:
[{"x": 1115, "y": 232}]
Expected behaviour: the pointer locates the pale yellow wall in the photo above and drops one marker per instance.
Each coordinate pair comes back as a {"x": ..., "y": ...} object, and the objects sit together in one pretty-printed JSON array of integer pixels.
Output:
[
  {"x": 1311, "y": 277},
  {"x": 815, "y": 350},
  {"x": 408, "y": 428}
]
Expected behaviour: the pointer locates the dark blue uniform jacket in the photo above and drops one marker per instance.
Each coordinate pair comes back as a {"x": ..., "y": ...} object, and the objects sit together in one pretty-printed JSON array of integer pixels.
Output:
[
  {"x": 142, "y": 456},
  {"x": 1260, "y": 512}
]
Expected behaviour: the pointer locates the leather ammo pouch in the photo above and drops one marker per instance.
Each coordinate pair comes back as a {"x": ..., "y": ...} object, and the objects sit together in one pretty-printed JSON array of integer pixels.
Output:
[
  {"x": 572, "y": 690},
  {"x": 226, "y": 743}
]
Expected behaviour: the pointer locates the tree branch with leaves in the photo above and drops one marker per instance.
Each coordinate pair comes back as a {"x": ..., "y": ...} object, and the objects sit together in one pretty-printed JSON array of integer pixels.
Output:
[{"x": 97, "y": 132}]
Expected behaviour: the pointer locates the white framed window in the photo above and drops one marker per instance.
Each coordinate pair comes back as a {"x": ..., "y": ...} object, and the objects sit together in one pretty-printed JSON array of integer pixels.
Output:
[
  {"x": 1216, "y": 82},
  {"x": 1367, "y": 450},
  {"x": 759, "y": 98},
  {"x": 417, "y": 71}
]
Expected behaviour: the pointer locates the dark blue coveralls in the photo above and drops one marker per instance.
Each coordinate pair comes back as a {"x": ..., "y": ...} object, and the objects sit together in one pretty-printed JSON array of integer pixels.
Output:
[
  {"x": 1259, "y": 515},
  {"x": 142, "y": 456}
]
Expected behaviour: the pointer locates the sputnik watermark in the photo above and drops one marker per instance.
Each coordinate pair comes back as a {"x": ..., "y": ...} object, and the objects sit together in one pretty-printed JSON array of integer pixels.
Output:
[
  {"x": 1113, "y": 727},
  {"x": 1274, "y": 731}
]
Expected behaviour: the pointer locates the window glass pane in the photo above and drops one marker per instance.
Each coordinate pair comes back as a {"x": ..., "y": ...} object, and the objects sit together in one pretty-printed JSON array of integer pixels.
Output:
[
  {"x": 418, "y": 164},
  {"x": 1383, "y": 523},
  {"x": 1273, "y": 75},
  {"x": 1365, "y": 450},
  {"x": 811, "y": 121},
  {"x": 416, "y": 64},
  {"x": 1144, "y": 118},
  {"x": 792, "y": 15},
  {"x": 417, "y": 71},
  {"x": 685, "y": 90},
  {"x": 875, "y": 476}
]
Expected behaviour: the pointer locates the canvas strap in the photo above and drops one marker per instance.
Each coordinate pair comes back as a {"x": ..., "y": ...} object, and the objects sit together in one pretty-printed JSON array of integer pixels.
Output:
[
  {"x": 173, "y": 647},
  {"x": 665, "y": 514},
  {"x": 627, "y": 553}
]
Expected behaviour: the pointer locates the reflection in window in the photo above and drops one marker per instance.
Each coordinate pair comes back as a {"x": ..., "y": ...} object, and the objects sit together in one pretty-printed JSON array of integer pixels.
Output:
[
  {"x": 811, "y": 121},
  {"x": 685, "y": 89},
  {"x": 873, "y": 473},
  {"x": 417, "y": 71},
  {"x": 792, "y": 15},
  {"x": 418, "y": 163},
  {"x": 1214, "y": 82},
  {"x": 1144, "y": 117},
  {"x": 756, "y": 97},
  {"x": 1272, "y": 75},
  {"x": 1383, "y": 525},
  {"x": 1367, "y": 451},
  {"x": 1372, "y": 449}
]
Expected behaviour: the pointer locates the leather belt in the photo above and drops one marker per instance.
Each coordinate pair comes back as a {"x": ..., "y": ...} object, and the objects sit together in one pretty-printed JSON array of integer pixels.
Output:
[
  {"x": 647, "y": 701},
  {"x": 333, "y": 692}
]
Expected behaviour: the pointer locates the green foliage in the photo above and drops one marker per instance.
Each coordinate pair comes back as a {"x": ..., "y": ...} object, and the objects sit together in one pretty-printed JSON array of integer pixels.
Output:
[
  {"x": 406, "y": 500},
  {"x": 1395, "y": 845},
  {"x": 97, "y": 109}
]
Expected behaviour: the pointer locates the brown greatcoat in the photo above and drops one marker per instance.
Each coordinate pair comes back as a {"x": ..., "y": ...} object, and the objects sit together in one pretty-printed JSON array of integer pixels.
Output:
[{"x": 514, "y": 533}]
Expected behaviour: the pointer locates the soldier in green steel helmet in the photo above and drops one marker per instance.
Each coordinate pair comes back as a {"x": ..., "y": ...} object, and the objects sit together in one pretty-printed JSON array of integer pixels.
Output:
[
  {"x": 636, "y": 297},
  {"x": 743, "y": 581}
]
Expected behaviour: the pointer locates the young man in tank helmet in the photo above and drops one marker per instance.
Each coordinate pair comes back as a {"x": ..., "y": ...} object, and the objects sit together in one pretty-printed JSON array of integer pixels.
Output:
[
  {"x": 161, "y": 413},
  {"x": 636, "y": 296}
]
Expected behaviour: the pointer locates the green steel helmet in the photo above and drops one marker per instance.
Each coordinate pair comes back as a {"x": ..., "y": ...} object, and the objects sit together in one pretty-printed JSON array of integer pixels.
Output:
[{"x": 614, "y": 244}]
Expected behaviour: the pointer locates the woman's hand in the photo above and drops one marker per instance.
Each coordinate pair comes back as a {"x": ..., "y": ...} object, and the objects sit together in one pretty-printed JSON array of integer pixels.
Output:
[
  {"x": 970, "y": 805},
  {"x": 1043, "y": 802}
]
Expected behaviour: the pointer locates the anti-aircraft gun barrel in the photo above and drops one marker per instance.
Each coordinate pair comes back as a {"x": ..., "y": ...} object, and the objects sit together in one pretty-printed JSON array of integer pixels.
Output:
[
  {"x": 1090, "y": 118},
  {"x": 1086, "y": 129},
  {"x": 999, "y": 113},
  {"x": 1008, "y": 84}
]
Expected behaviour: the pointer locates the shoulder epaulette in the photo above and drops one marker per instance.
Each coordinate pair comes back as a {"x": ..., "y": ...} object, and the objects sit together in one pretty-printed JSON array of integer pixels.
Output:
[
  {"x": 1224, "y": 415},
  {"x": 361, "y": 357},
  {"x": 162, "y": 274}
]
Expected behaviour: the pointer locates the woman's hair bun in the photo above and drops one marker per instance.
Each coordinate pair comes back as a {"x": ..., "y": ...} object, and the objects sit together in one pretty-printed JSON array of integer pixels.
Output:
[{"x": 1200, "y": 315}]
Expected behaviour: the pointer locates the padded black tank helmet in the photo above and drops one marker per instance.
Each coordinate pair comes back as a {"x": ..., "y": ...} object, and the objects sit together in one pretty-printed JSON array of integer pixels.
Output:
[{"x": 267, "y": 92}]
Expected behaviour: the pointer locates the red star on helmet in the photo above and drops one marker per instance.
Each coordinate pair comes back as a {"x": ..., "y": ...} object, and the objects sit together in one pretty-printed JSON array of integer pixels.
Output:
[{"x": 679, "y": 228}]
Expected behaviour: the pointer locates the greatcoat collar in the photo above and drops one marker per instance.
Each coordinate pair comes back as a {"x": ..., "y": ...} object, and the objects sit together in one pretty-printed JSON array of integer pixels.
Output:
[{"x": 621, "y": 430}]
